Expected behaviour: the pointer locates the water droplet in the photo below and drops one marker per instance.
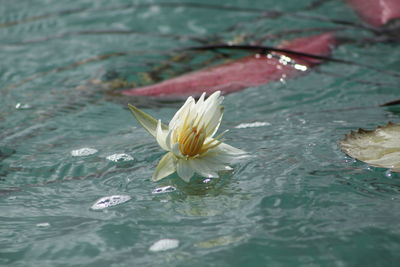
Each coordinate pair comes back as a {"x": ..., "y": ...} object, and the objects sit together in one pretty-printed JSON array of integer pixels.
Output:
[
  {"x": 206, "y": 180},
  {"x": 164, "y": 189},
  {"x": 120, "y": 157},
  {"x": 300, "y": 67},
  {"x": 367, "y": 167},
  {"x": 45, "y": 224},
  {"x": 110, "y": 201},
  {"x": 86, "y": 151},
  {"x": 164, "y": 244},
  {"x": 277, "y": 202},
  {"x": 284, "y": 60},
  {"x": 22, "y": 106}
]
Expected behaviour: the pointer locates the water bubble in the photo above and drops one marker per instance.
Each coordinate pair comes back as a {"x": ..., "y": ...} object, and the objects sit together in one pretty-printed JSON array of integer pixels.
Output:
[
  {"x": 368, "y": 168},
  {"x": 300, "y": 67},
  {"x": 164, "y": 189},
  {"x": 45, "y": 224},
  {"x": 22, "y": 106},
  {"x": 277, "y": 202},
  {"x": 110, "y": 201},
  {"x": 120, "y": 157},
  {"x": 206, "y": 180},
  {"x": 350, "y": 160},
  {"x": 388, "y": 173},
  {"x": 164, "y": 244},
  {"x": 86, "y": 151}
]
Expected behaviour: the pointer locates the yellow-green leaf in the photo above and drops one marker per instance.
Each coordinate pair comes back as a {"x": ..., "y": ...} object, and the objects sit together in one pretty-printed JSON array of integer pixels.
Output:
[
  {"x": 379, "y": 147},
  {"x": 146, "y": 120}
]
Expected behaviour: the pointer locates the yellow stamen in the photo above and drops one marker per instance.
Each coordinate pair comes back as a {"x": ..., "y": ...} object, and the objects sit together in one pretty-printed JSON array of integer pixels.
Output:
[
  {"x": 192, "y": 134},
  {"x": 209, "y": 146},
  {"x": 191, "y": 140}
]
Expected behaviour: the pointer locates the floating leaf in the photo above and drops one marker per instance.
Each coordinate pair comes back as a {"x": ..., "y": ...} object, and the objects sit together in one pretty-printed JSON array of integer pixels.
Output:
[{"x": 379, "y": 147}]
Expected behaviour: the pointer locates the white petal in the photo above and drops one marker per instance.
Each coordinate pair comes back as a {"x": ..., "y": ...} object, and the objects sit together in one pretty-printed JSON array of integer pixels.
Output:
[
  {"x": 165, "y": 167},
  {"x": 176, "y": 151},
  {"x": 215, "y": 121},
  {"x": 217, "y": 161},
  {"x": 230, "y": 149},
  {"x": 201, "y": 99},
  {"x": 212, "y": 112},
  {"x": 147, "y": 121},
  {"x": 213, "y": 97},
  {"x": 161, "y": 136},
  {"x": 168, "y": 140},
  {"x": 184, "y": 170},
  {"x": 223, "y": 154},
  {"x": 204, "y": 169},
  {"x": 181, "y": 113}
]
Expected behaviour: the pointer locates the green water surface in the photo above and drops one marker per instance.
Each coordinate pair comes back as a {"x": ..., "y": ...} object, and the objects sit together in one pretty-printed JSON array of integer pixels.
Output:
[{"x": 297, "y": 201}]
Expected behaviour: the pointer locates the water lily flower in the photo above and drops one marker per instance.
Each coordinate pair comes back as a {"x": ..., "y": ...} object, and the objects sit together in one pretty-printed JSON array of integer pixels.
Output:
[{"x": 189, "y": 139}]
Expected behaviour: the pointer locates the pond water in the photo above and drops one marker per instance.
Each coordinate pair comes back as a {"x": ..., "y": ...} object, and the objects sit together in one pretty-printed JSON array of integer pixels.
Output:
[{"x": 66, "y": 142}]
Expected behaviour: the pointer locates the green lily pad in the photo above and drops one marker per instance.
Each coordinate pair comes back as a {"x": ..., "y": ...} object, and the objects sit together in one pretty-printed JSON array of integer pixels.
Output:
[{"x": 379, "y": 147}]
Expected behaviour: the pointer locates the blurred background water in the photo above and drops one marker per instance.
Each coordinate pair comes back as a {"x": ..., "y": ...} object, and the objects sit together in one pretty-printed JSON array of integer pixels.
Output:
[{"x": 298, "y": 201}]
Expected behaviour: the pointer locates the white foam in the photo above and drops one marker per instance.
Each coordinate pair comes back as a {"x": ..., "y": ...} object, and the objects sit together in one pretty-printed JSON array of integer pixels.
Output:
[
  {"x": 164, "y": 189},
  {"x": 164, "y": 244},
  {"x": 119, "y": 157},
  {"x": 45, "y": 224},
  {"x": 110, "y": 201},
  {"x": 252, "y": 124},
  {"x": 85, "y": 151}
]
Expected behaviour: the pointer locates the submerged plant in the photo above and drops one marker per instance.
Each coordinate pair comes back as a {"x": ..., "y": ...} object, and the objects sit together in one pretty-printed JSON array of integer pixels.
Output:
[{"x": 189, "y": 139}]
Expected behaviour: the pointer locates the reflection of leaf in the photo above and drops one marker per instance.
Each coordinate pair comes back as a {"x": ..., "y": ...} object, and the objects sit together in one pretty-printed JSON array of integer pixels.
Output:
[
  {"x": 219, "y": 241},
  {"x": 392, "y": 106},
  {"x": 379, "y": 147},
  {"x": 391, "y": 103}
]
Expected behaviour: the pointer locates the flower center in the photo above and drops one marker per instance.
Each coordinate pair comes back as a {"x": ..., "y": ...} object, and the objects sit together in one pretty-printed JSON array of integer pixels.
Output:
[{"x": 191, "y": 141}]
